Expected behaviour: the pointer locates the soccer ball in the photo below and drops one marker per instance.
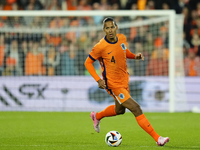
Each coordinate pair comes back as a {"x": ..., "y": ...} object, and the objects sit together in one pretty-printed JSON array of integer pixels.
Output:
[{"x": 113, "y": 138}]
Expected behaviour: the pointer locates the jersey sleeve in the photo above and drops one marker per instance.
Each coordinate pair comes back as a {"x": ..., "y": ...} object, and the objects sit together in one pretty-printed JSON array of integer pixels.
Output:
[
  {"x": 128, "y": 52},
  {"x": 89, "y": 66},
  {"x": 122, "y": 38},
  {"x": 96, "y": 52}
]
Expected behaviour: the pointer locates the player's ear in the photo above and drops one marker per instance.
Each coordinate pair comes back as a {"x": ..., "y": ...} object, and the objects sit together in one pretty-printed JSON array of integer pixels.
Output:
[{"x": 117, "y": 27}]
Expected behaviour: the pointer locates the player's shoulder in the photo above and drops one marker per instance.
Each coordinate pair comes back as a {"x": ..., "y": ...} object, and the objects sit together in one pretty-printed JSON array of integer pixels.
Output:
[
  {"x": 101, "y": 44},
  {"x": 121, "y": 36}
]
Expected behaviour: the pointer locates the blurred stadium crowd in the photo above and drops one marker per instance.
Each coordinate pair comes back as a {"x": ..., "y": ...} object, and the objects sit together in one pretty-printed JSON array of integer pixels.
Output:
[{"x": 64, "y": 54}]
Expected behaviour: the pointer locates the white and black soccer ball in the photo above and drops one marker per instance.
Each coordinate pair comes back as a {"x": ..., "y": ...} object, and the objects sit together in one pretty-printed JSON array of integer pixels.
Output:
[{"x": 113, "y": 138}]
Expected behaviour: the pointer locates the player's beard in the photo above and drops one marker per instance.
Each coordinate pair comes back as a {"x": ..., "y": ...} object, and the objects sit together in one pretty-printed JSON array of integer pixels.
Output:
[{"x": 112, "y": 38}]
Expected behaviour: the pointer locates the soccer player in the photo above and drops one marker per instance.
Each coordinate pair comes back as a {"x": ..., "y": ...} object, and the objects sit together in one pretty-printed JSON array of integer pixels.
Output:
[{"x": 112, "y": 52}]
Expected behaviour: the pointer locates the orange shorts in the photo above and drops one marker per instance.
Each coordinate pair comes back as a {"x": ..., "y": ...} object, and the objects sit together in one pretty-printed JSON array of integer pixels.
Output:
[{"x": 119, "y": 94}]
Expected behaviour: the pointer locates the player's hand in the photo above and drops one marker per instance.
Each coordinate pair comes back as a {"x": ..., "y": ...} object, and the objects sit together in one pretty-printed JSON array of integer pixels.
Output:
[
  {"x": 101, "y": 84},
  {"x": 139, "y": 56}
]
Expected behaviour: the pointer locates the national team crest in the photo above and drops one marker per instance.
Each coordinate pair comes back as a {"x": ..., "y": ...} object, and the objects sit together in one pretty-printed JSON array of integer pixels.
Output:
[
  {"x": 121, "y": 95},
  {"x": 123, "y": 46}
]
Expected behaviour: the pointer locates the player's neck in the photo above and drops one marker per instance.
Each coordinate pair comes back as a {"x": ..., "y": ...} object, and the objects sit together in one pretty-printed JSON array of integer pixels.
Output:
[{"x": 112, "y": 40}]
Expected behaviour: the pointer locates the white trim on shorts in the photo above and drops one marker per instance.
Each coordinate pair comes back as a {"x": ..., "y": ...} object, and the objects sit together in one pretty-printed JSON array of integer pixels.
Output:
[{"x": 116, "y": 98}]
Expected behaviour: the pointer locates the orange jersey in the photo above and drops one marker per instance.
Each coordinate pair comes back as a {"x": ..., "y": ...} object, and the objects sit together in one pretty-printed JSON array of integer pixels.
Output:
[{"x": 112, "y": 58}]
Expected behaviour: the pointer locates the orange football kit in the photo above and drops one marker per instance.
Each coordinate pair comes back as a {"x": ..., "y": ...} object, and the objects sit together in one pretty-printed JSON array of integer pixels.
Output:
[{"x": 112, "y": 58}]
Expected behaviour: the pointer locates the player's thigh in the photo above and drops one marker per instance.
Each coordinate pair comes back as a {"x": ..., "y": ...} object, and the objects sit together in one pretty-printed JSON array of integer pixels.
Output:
[
  {"x": 133, "y": 106},
  {"x": 119, "y": 109},
  {"x": 121, "y": 94}
]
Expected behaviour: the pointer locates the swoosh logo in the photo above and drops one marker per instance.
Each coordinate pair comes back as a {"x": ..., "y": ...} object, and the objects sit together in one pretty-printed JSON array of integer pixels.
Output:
[{"x": 109, "y": 52}]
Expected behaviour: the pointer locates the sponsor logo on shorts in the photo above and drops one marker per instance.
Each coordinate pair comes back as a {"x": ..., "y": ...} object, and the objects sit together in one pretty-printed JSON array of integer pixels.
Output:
[{"x": 121, "y": 96}]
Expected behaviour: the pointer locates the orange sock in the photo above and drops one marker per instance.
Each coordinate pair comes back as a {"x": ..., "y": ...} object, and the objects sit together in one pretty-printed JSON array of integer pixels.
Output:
[
  {"x": 108, "y": 112},
  {"x": 145, "y": 125}
]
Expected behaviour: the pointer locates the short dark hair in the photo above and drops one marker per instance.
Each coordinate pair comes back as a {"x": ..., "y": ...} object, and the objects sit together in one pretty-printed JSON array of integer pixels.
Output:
[{"x": 108, "y": 19}]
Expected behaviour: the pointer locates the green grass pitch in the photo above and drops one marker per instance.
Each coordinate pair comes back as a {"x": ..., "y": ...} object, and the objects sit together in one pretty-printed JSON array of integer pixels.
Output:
[{"x": 74, "y": 131}]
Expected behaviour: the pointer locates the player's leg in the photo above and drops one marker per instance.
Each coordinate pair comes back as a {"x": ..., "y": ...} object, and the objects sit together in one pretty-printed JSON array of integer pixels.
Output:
[
  {"x": 97, "y": 116},
  {"x": 134, "y": 107},
  {"x": 109, "y": 111},
  {"x": 119, "y": 109}
]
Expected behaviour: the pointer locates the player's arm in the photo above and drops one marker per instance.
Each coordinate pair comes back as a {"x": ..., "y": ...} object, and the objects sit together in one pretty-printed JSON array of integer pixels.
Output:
[
  {"x": 129, "y": 54},
  {"x": 134, "y": 56},
  {"x": 89, "y": 66}
]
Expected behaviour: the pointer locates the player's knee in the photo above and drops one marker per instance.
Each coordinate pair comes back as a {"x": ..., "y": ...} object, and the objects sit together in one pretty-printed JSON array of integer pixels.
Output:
[
  {"x": 136, "y": 110},
  {"x": 120, "y": 112}
]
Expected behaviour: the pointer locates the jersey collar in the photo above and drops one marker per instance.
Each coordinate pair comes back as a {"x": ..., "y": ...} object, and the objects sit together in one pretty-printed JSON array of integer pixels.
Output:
[{"x": 110, "y": 42}]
